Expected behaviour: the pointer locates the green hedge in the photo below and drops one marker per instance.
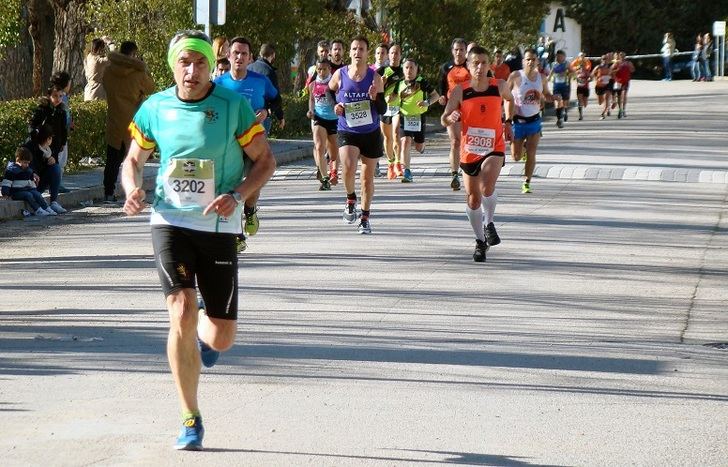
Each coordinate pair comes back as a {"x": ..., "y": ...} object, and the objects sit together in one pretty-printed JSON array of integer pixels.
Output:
[
  {"x": 89, "y": 118},
  {"x": 297, "y": 124},
  {"x": 86, "y": 140}
]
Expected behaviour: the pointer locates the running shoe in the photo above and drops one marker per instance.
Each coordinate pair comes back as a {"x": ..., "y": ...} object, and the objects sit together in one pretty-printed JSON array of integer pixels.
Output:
[
  {"x": 609, "y": 113},
  {"x": 407, "y": 177},
  {"x": 377, "y": 171},
  {"x": 350, "y": 214},
  {"x": 619, "y": 115},
  {"x": 208, "y": 355},
  {"x": 566, "y": 116},
  {"x": 581, "y": 114},
  {"x": 240, "y": 245},
  {"x": 602, "y": 117},
  {"x": 624, "y": 114},
  {"x": 455, "y": 183},
  {"x": 334, "y": 177},
  {"x": 364, "y": 227},
  {"x": 390, "y": 172},
  {"x": 398, "y": 169},
  {"x": 559, "y": 123},
  {"x": 526, "y": 187},
  {"x": 480, "y": 248},
  {"x": 252, "y": 223},
  {"x": 191, "y": 434},
  {"x": 325, "y": 185},
  {"x": 491, "y": 236}
]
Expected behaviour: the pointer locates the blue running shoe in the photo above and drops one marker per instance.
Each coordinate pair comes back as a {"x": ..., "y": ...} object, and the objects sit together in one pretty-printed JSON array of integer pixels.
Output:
[
  {"x": 208, "y": 355},
  {"x": 190, "y": 437}
]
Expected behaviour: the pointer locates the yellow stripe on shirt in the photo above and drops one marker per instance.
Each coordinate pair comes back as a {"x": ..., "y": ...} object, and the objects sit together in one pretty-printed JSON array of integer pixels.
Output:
[
  {"x": 252, "y": 132},
  {"x": 137, "y": 135}
]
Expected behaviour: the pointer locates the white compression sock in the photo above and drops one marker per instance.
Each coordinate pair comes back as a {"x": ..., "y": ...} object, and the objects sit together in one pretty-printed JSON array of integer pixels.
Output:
[
  {"x": 475, "y": 216},
  {"x": 488, "y": 206}
]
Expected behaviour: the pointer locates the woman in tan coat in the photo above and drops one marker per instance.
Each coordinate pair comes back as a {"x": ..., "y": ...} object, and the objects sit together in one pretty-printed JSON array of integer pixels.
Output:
[{"x": 94, "y": 67}]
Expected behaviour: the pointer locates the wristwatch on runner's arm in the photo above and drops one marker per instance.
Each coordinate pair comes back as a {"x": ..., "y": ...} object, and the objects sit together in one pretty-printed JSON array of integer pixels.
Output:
[{"x": 236, "y": 196}]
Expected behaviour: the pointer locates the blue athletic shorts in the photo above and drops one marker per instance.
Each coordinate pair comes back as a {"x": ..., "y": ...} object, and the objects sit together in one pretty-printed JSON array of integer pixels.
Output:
[
  {"x": 524, "y": 130},
  {"x": 563, "y": 90}
]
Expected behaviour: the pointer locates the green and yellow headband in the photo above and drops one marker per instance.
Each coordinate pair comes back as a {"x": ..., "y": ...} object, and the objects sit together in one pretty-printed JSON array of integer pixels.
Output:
[{"x": 192, "y": 44}]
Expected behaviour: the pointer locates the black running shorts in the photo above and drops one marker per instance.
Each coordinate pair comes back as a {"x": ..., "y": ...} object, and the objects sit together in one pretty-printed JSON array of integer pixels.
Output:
[
  {"x": 582, "y": 91},
  {"x": 370, "y": 144},
  {"x": 418, "y": 136},
  {"x": 330, "y": 125},
  {"x": 474, "y": 168},
  {"x": 185, "y": 256}
]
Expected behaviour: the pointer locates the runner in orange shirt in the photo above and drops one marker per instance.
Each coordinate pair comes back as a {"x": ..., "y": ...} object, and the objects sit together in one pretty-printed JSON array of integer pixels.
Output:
[
  {"x": 477, "y": 106},
  {"x": 500, "y": 69},
  {"x": 451, "y": 74}
]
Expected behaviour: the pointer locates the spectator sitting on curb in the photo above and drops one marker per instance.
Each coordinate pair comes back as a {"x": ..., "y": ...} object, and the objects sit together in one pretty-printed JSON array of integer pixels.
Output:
[
  {"x": 127, "y": 83},
  {"x": 19, "y": 184},
  {"x": 52, "y": 112}
]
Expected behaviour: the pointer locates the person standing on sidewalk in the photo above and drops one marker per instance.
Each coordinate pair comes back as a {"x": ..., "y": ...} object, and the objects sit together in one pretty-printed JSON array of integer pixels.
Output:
[
  {"x": 200, "y": 130},
  {"x": 359, "y": 103},
  {"x": 667, "y": 51},
  {"x": 127, "y": 83},
  {"x": 478, "y": 106}
]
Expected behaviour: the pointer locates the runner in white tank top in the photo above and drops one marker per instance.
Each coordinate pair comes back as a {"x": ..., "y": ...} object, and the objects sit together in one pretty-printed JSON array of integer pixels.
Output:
[
  {"x": 528, "y": 95},
  {"x": 528, "y": 89}
]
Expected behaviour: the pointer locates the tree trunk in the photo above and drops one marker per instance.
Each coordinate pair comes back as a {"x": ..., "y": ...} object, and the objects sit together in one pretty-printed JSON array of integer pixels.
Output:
[
  {"x": 40, "y": 28},
  {"x": 70, "y": 36},
  {"x": 305, "y": 52},
  {"x": 16, "y": 74}
]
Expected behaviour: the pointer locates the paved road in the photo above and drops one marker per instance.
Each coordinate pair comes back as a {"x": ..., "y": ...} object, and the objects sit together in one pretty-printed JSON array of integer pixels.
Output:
[{"x": 581, "y": 341}]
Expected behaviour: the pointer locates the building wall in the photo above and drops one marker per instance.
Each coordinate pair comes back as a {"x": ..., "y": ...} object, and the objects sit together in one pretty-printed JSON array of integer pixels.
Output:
[{"x": 564, "y": 31}]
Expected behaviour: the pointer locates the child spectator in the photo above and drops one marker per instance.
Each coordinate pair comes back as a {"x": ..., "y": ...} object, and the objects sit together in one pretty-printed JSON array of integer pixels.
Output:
[
  {"x": 44, "y": 163},
  {"x": 63, "y": 80},
  {"x": 19, "y": 183}
]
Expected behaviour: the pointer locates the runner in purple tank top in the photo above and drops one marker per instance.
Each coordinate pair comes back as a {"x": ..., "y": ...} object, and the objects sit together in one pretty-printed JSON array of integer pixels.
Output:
[{"x": 359, "y": 102}]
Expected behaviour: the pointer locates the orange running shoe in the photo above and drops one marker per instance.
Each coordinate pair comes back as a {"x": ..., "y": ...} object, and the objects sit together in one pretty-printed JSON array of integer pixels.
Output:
[
  {"x": 390, "y": 172},
  {"x": 398, "y": 169}
]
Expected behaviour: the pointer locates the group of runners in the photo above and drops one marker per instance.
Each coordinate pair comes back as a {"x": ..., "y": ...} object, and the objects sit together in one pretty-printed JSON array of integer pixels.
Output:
[
  {"x": 611, "y": 78},
  {"x": 215, "y": 158}
]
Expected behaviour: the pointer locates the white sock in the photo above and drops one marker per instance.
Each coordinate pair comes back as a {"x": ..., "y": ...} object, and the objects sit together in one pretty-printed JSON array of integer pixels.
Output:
[
  {"x": 475, "y": 216},
  {"x": 488, "y": 206}
]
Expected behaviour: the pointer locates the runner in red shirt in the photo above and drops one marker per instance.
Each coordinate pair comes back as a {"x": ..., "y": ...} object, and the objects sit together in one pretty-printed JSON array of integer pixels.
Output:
[{"x": 623, "y": 70}]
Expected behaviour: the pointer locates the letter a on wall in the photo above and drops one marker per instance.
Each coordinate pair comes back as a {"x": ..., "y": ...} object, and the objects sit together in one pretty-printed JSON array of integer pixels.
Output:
[{"x": 559, "y": 21}]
